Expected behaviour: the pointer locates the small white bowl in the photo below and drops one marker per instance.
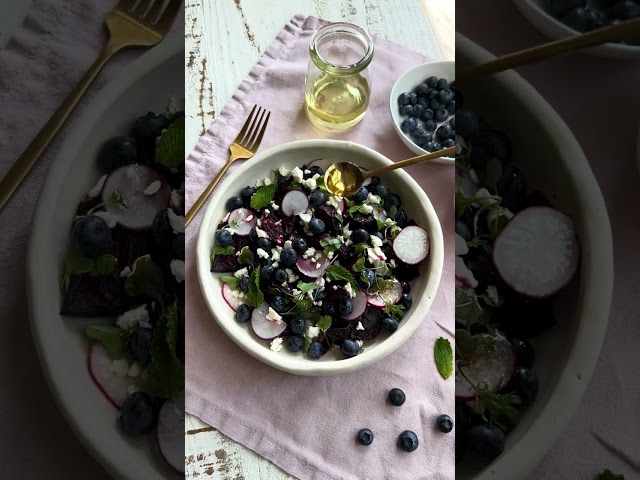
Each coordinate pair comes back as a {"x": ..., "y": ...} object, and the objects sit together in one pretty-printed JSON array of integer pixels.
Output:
[
  {"x": 290, "y": 155},
  {"x": 534, "y": 11},
  {"x": 406, "y": 83}
]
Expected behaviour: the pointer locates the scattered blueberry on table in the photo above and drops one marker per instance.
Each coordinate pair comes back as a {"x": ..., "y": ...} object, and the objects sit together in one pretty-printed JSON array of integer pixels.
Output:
[
  {"x": 408, "y": 441},
  {"x": 396, "y": 397},
  {"x": 444, "y": 423},
  {"x": 430, "y": 103},
  {"x": 365, "y": 436}
]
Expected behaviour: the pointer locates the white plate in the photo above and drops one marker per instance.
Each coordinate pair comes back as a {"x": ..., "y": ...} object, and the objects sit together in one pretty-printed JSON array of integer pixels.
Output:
[
  {"x": 144, "y": 85},
  {"x": 566, "y": 355},
  {"x": 290, "y": 155},
  {"x": 406, "y": 83},
  {"x": 555, "y": 29}
]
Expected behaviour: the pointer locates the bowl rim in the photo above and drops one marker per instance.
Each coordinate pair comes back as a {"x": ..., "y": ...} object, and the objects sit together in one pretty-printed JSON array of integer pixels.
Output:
[
  {"x": 60, "y": 386},
  {"x": 556, "y": 30},
  {"x": 392, "y": 106},
  {"x": 561, "y": 405},
  {"x": 311, "y": 368}
]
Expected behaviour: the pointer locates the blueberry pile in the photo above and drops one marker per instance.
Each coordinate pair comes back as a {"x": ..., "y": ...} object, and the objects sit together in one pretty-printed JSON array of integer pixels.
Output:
[
  {"x": 583, "y": 16},
  {"x": 428, "y": 113}
]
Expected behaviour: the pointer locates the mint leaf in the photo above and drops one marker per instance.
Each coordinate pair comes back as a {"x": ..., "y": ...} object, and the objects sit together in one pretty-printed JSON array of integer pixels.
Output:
[
  {"x": 77, "y": 264},
  {"x": 263, "y": 196},
  {"x": 166, "y": 372},
  {"x": 307, "y": 344},
  {"x": 145, "y": 279},
  {"x": 462, "y": 203},
  {"x": 324, "y": 323},
  {"x": 498, "y": 408},
  {"x": 170, "y": 145},
  {"x": 220, "y": 250},
  {"x": 104, "y": 265},
  {"x": 331, "y": 244},
  {"x": 306, "y": 287},
  {"x": 468, "y": 310},
  {"x": 360, "y": 248},
  {"x": 230, "y": 280},
  {"x": 294, "y": 186},
  {"x": 609, "y": 475},
  {"x": 338, "y": 272},
  {"x": 359, "y": 265},
  {"x": 246, "y": 256},
  {"x": 255, "y": 296},
  {"x": 443, "y": 355},
  {"x": 303, "y": 305},
  {"x": 112, "y": 338},
  {"x": 395, "y": 310}
]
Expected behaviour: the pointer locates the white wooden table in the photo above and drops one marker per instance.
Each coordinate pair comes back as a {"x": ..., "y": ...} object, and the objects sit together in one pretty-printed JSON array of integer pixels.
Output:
[{"x": 224, "y": 39}]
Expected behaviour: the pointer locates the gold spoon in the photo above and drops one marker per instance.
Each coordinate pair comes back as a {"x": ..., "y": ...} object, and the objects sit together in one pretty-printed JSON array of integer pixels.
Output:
[{"x": 345, "y": 178}]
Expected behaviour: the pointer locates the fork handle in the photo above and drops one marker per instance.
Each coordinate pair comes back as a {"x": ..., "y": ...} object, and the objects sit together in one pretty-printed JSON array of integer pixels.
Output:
[
  {"x": 27, "y": 160},
  {"x": 207, "y": 191}
]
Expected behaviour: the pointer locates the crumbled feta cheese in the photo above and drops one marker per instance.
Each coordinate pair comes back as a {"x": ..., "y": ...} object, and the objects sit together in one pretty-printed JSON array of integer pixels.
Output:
[
  {"x": 276, "y": 344},
  {"x": 125, "y": 272},
  {"x": 378, "y": 251},
  {"x": 309, "y": 252},
  {"x": 349, "y": 289},
  {"x": 307, "y": 171},
  {"x": 130, "y": 319},
  {"x": 273, "y": 316},
  {"x": 305, "y": 217},
  {"x": 372, "y": 254},
  {"x": 334, "y": 200},
  {"x": 249, "y": 218},
  {"x": 259, "y": 183},
  {"x": 176, "y": 197},
  {"x": 320, "y": 282},
  {"x": 176, "y": 221},
  {"x": 97, "y": 189},
  {"x": 284, "y": 171},
  {"x": 372, "y": 199},
  {"x": 296, "y": 293},
  {"x": 120, "y": 367},
  {"x": 261, "y": 253},
  {"x": 152, "y": 188},
  {"x": 243, "y": 272},
  {"x": 360, "y": 343},
  {"x": 111, "y": 220},
  {"x": 267, "y": 181},
  {"x": 312, "y": 332},
  {"x": 297, "y": 174},
  {"x": 177, "y": 269},
  {"x": 335, "y": 287},
  {"x": 346, "y": 233},
  {"x": 310, "y": 183},
  {"x": 275, "y": 206},
  {"x": 134, "y": 370},
  {"x": 267, "y": 211},
  {"x": 359, "y": 326},
  {"x": 366, "y": 209},
  {"x": 375, "y": 241},
  {"x": 275, "y": 264},
  {"x": 275, "y": 255},
  {"x": 261, "y": 233},
  {"x": 288, "y": 244},
  {"x": 330, "y": 254}
]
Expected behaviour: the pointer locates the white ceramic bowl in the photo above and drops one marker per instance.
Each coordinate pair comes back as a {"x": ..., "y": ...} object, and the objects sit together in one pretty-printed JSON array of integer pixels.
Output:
[
  {"x": 566, "y": 355},
  {"x": 533, "y": 10},
  {"x": 293, "y": 154},
  {"x": 406, "y": 83},
  {"x": 144, "y": 85}
]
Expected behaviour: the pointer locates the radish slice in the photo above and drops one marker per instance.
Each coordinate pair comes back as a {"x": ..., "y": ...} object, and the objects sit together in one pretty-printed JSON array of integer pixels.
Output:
[
  {"x": 100, "y": 369},
  {"x": 411, "y": 245},
  {"x": 309, "y": 266},
  {"x": 131, "y": 181},
  {"x": 391, "y": 294},
  {"x": 170, "y": 434},
  {"x": 295, "y": 202},
  {"x": 265, "y": 329},
  {"x": 320, "y": 162},
  {"x": 492, "y": 370},
  {"x": 359, "y": 306},
  {"x": 241, "y": 221},
  {"x": 537, "y": 253},
  {"x": 227, "y": 294}
]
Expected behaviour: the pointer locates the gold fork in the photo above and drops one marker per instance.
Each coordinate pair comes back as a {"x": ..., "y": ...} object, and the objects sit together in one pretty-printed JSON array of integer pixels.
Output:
[
  {"x": 131, "y": 23},
  {"x": 243, "y": 147}
]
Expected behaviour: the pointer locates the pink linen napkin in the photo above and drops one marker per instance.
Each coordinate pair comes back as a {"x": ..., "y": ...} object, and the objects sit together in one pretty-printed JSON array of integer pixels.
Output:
[
  {"x": 40, "y": 65},
  {"x": 307, "y": 425}
]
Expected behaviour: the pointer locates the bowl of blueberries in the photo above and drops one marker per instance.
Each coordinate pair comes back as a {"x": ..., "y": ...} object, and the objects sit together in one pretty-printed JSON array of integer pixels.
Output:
[
  {"x": 422, "y": 106},
  {"x": 565, "y": 18}
]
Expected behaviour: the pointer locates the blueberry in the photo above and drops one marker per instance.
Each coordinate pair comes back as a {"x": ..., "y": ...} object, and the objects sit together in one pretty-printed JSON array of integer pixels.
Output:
[
  {"x": 442, "y": 84},
  {"x": 247, "y": 192},
  {"x": 418, "y": 110},
  {"x": 243, "y": 284},
  {"x": 316, "y": 199},
  {"x": 406, "y": 300},
  {"x": 137, "y": 415},
  {"x": 266, "y": 272},
  {"x": 422, "y": 89},
  {"x": 487, "y": 440},
  {"x": 280, "y": 276},
  {"x": 525, "y": 354},
  {"x": 300, "y": 245},
  {"x": 444, "y": 423},
  {"x": 444, "y": 132},
  {"x": 381, "y": 190},
  {"x": 435, "y": 104},
  {"x": 161, "y": 230},
  {"x": 329, "y": 308},
  {"x": 440, "y": 115},
  {"x": 316, "y": 226},
  {"x": 278, "y": 304},
  {"x": 345, "y": 307},
  {"x": 408, "y": 441},
  {"x": 392, "y": 200},
  {"x": 423, "y": 139},
  {"x": 264, "y": 243},
  {"x": 297, "y": 325},
  {"x": 397, "y": 397},
  {"x": 451, "y": 107},
  {"x": 378, "y": 234},
  {"x": 418, "y": 132},
  {"x": 294, "y": 343},
  {"x": 178, "y": 247},
  {"x": 467, "y": 124},
  {"x": 361, "y": 195},
  {"x": 496, "y": 144},
  {"x": 432, "y": 94},
  {"x": 360, "y": 236},
  {"x": 315, "y": 170},
  {"x": 288, "y": 256},
  {"x": 413, "y": 98},
  {"x": 433, "y": 146},
  {"x": 350, "y": 348},
  {"x": 430, "y": 125},
  {"x": 406, "y": 110},
  {"x": 117, "y": 152},
  {"x": 403, "y": 99},
  {"x": 243, "y": 313},
  {"x": 584, "y": 19},
  {"x": 409, "y": 125},
  {"x": 527, "y": 384},
  {"x": 445, "y": 96},
  {"x": 375, "y": 181},
  {"x": 428, "y": 114},
  {"x": 224, "y": 238},
  {"x": 92, "y": 236},
  {"x": 463, "y": 230},
  {"x": 316, "y": 350},
  {"x": 253, "y": 235},
  {"x": 365, "y": 436},
  {"x": 449, "y": 142},
  {"x": 401, "y": 218},
  {"x": 512, "y": 187},
  {"x": 233, "y": 203},
  {"x": 139, "y": 345},
  {"x": 559, "y": 8},
  {"x": 390, "y": 324},
  {"x": 432, "y": 81},
  {"x": 367, "y": 278},
  {"x": 150, "y": 126},
  {"x": 452, "y": 122}
]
